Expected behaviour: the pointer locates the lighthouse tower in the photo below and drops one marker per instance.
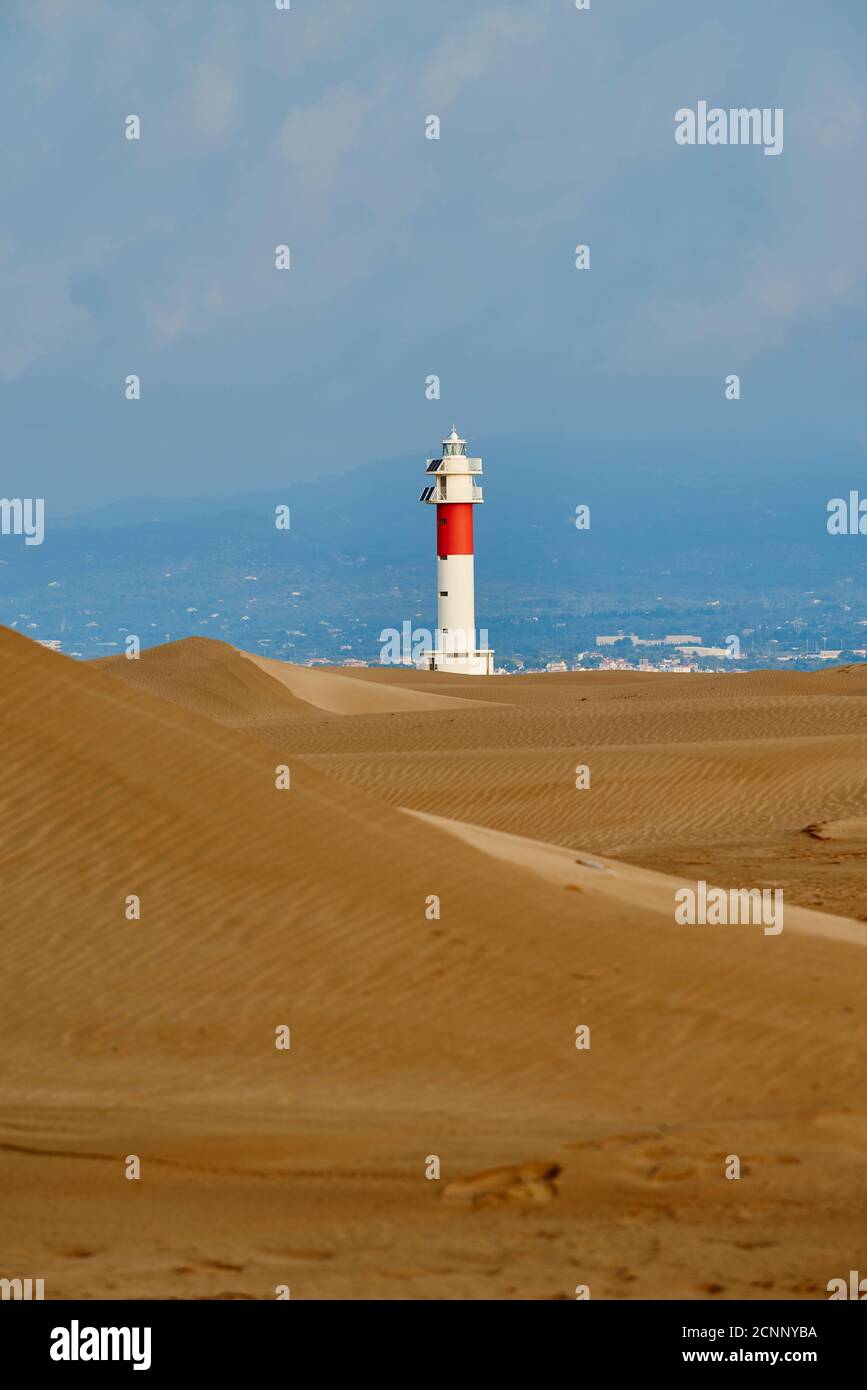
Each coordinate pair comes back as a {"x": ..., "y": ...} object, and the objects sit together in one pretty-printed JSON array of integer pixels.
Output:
[{"x": 454, "y": 490}]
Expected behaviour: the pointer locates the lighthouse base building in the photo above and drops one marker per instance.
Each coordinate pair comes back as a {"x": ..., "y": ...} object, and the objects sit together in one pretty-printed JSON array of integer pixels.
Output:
[{"x": 454, "y": 490}]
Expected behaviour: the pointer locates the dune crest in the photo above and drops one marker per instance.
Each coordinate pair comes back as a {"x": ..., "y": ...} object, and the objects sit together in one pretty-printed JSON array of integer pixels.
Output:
[
  {"x": 335, "y": 691},
  {"x": 641, "y": 888}
]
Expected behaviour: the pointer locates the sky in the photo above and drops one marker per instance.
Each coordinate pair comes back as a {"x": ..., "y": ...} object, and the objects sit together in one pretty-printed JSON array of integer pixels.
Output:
[{"x": 412, "y": 257}]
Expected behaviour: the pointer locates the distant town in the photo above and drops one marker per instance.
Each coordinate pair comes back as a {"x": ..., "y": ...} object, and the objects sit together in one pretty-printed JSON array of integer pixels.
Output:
[
  {"x": 301, "y": 598},
  {"x": 682, "y": 653},
  {"x": 675, "y": 653}
]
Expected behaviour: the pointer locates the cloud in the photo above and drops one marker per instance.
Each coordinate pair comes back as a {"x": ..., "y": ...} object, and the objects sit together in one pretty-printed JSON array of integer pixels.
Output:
[
  {"x": 470, "y": 50},
  {"x": 38, "y": 313},
  {"x": 798, "y": 260},
  {"x": 315, "y": 140},
  {"x": 213, "y": 102},
  {"x": 50, "y": 14},
  {"x": 173, "y": 316}
]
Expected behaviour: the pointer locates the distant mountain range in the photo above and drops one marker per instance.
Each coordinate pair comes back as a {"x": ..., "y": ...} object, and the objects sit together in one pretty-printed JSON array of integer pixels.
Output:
[{"x": 705, "y": 537}]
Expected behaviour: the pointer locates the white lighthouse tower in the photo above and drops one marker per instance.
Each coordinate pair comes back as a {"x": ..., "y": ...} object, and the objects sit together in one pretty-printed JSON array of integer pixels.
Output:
[{"x": 455, "y": 490}]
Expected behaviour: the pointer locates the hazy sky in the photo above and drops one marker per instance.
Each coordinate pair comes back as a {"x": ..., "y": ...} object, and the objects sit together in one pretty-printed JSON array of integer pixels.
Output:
[{"x": 412, "y": 256}]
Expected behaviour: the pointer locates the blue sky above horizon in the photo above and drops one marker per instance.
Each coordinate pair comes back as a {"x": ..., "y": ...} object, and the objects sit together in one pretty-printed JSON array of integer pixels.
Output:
[{"x": 410, "y": 256}]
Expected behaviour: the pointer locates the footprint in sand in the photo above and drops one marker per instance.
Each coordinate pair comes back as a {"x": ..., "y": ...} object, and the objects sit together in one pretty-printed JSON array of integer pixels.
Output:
[
  {"x": 666, "y": 1165},
  {"x": 855, "y": 828},
  {"x": 521, "y": 1183},
  {"x": 298, "y": 1254},
  {"x": 223, "y": 1297},
  {"x": 202, "y": 1263},
  {"x": 671, "y": 1172}
]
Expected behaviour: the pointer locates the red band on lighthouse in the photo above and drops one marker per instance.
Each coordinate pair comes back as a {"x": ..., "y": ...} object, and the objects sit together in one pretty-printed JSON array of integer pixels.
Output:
[{"x": 454, "y": 528}]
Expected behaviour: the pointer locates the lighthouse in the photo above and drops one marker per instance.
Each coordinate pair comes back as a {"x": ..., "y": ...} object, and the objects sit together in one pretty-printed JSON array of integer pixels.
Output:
[{"x": 454, "y": 489}]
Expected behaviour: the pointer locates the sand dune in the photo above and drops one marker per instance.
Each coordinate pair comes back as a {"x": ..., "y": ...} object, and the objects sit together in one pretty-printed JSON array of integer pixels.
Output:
[
  {"x": 416, "y": 1032},
  {"x": 210, "y": 678},
  {"x": 338, "y": 693},
  {"x": 642, "y": 889},
  {"x": 236, "y": 687},
  {"x": 694, "y": 784}
]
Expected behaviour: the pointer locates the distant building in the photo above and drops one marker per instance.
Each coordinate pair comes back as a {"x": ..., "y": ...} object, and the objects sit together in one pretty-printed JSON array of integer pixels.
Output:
[
  {"x": 673, "y": 640},
  {"x": 708, "y": 651}
]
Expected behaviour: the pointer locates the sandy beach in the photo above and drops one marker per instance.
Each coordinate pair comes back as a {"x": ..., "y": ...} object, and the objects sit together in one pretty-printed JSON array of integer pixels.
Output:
[{"x": 431, "y": 908}]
